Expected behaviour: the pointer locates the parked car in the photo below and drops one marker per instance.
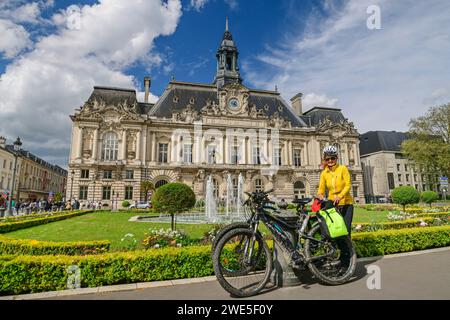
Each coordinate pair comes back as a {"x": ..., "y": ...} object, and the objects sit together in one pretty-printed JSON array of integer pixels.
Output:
[{"x": 140, "y": 205}]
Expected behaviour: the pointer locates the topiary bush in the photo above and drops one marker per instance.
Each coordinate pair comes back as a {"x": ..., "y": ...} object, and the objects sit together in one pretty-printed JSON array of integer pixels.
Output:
[
  {"x": 429, "y": 197},
  {"x": 173, "y": 198},
  {"x": 125, "y": 203},
  {"x": 405, "y": 195}
]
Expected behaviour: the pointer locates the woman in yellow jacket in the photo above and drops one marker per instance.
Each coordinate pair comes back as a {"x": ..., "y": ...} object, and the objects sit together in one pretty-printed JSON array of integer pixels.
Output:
[{"x": 336, "y": 178}]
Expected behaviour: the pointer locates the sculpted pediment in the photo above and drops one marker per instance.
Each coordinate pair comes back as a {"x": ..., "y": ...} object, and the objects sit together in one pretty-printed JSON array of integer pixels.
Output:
[
  {"x": 97, "y": 109},
  {"x": 336, "y": 129}
]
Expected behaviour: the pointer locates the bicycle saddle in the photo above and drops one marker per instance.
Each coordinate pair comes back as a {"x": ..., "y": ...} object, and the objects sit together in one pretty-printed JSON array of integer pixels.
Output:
[{"x": 302, "y": 201}]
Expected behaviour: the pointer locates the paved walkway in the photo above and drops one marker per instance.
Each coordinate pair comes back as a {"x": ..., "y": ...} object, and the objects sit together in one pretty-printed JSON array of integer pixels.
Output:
[{"x": 416, "y": 275}]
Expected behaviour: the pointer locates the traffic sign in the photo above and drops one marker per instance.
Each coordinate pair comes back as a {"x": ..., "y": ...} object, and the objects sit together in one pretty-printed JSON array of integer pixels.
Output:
[{"x": 443, "y": 181}]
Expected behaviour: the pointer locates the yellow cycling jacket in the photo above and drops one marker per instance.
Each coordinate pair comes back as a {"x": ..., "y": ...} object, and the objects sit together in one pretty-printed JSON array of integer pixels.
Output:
[{"x": 337, "y": 181}]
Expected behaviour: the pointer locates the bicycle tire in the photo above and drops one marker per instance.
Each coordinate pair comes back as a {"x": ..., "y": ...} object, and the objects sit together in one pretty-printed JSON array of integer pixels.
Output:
[
  {"x": 225, "y": 229},
  {"x": 344, "y": 275},
  {"x": 223, "y": 276}
]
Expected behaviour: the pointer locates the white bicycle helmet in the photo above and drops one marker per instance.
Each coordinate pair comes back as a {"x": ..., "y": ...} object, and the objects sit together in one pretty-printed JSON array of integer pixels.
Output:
[{"x": 330, "y": 151}]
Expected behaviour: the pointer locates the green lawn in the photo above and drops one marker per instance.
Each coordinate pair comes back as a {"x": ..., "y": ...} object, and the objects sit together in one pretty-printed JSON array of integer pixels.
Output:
[
  {"x": 103, "y": 225},
  {"x": 112, "y": 226}
]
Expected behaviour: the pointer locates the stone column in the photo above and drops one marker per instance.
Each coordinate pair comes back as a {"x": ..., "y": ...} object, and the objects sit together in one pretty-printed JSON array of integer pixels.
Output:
[
  {"x": 304, "y": 154},
  {"x": 202, "y": 148},
  {"x": 286, "y": 153},
  {"x": 123, "y": 155},
  {"x": 144, "y": 154},
  {"x": 179, "y": 148},
  {"x": 80, "y": 142},
  {"x": 138, "y": 145},
  {"x": 225, "y": 149},
  {"x": 94, "y": 145},
  {"x": 154, "y": 156},
  {"x": 249, "y": 151},
  {"x": 290, "y": 153}
]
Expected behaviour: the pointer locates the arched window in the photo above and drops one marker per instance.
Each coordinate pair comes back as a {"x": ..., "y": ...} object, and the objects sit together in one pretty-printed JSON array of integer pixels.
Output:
[
  {"x": 160, "y": 183},
  {"x": 110, "y": 146},
  {"x": 299, "y": 189}
]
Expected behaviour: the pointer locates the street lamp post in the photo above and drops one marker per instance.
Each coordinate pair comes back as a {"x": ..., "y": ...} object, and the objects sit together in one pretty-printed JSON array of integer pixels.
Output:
[
  {"x": 93, "y": 192},
  {"x": 71, "y": 184},
  {"x": 17, "y": 145}
]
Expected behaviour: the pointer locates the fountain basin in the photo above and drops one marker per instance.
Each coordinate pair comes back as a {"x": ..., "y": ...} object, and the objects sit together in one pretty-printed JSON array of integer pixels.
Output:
[{"x": 195, "y": 218}]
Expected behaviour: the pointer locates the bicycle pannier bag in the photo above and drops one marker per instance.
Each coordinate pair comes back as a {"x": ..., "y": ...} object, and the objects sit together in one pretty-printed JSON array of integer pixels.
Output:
[{"x": 332, "y": 224}]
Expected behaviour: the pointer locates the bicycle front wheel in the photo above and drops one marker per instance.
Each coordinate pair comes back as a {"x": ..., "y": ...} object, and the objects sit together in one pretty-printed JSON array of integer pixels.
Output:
[{"x": 242, "y": 262}]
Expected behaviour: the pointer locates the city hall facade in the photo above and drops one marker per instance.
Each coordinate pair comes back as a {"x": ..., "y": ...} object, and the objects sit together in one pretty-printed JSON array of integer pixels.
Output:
[{"x": 198, "y": 130}]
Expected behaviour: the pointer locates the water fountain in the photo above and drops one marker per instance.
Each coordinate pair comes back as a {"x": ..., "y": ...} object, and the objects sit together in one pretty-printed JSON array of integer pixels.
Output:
[
  {"x": 210, "y": 201},
  {"x": 234, "y": 210}
]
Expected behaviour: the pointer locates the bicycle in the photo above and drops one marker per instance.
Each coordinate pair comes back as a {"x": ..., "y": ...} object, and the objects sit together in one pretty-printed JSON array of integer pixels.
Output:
[{"x": 242, "y": 259}]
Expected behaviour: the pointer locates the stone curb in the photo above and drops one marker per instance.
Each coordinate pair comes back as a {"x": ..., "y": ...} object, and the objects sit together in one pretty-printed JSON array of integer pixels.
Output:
[{"x": 165, "y": 283}]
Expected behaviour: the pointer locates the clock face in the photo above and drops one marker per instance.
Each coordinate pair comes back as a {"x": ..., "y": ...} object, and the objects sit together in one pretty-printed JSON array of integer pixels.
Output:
[{"x": 233, "y": 103}]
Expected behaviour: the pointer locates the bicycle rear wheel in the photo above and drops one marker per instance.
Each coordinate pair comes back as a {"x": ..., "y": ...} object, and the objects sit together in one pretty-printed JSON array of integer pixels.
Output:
[
  {"x": 332, "y": 261},
  {"x": 242, "y": 262}
]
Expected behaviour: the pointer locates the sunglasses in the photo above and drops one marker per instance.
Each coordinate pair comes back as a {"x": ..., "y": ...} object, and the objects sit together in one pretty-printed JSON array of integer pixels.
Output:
[{"x": 331, "y": 158}]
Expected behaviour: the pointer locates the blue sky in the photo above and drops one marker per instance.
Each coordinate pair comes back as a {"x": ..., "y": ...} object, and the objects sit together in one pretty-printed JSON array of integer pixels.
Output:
[{"x": 380, "y": 78}]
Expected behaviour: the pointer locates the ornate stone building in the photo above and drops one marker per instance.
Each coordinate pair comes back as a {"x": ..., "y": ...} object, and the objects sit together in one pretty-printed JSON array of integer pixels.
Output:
[{"x": 195, "y": 130}]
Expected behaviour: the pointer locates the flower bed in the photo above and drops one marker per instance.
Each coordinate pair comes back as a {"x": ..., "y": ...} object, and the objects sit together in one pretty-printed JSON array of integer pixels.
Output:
[
  {"x": 34, "y": 247},
  {"x": 25, "y": 274}
]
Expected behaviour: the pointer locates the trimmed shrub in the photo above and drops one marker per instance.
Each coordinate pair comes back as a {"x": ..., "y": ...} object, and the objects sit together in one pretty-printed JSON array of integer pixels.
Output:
[
  {"x": 173, "y": 198},
  {"x": 21, "y": 274},
  {"x": 405, "y": 195},
  {"x": 369, "y": 244},
  {"x": 12, "y": 226},
  {"x": 125, "y": 203},
  {"x": 35, "y": 247},
  {"x": 429, "y": 197},
  {"x": 26, "y": 274}
]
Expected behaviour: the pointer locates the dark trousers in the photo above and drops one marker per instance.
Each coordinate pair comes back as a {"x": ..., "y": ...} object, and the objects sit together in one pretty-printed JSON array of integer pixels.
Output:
[{"x": 347, "y": 213}]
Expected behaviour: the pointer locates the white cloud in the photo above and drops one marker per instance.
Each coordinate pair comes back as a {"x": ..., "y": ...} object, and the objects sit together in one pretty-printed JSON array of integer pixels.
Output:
[
  {"x": 381, "y": 78},
  {"x": 41, "y": 88},
  {"x": 14, "y": 38},
  {"x": 311, "y": 100},
  {"x": 198, "y": 4},
  {"x": 233, "y": 4}
]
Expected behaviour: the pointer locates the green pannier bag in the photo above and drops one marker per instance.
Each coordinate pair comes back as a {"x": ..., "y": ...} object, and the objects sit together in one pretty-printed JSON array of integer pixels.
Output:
[{"x": 332, "y": 224}]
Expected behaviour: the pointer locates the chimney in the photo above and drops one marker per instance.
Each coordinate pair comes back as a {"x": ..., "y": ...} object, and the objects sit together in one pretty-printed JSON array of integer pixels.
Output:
[
  {"x": 297, "y": 103},
  {"x": 2, "y": 142},
  {"x": 147, "y": 82}
]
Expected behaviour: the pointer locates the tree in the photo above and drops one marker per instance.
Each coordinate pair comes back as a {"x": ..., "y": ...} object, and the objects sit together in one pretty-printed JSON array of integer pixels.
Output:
[
  {"x": 429, "y": 197},
  {"x": 173, "y": 198},
  {"x": 405, "y": 195},
  {"x": 147, "y": 186},
  {"x": 57, "y": 197},
  {"x": 429, "y": 142}
]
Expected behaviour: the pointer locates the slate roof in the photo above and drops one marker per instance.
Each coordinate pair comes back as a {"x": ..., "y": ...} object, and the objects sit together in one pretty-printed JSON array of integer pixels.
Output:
[
  {"x": 114, "y": 96},
  {"x": 314, "y": 116},
  {"x": 375, "y": 141},
  {"x": 32, "y": 157},
  {"x": 203, "y": 92}
]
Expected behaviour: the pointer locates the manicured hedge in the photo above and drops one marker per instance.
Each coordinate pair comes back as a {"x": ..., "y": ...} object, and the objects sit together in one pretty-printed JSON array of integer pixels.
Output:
[
  {"x": 25, "y": 274},
  {"x": 369, "y": 244},
  {"x": 13, "y": 226},
  {"x": 34, "y": 247}
]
